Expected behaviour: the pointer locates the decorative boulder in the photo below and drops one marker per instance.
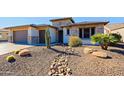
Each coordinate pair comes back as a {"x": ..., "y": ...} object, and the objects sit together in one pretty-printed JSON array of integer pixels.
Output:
[
  {"x": 24, "y": 52},
  {"x": 100, "y": 54},
  {"x": 88, "y": 50}
]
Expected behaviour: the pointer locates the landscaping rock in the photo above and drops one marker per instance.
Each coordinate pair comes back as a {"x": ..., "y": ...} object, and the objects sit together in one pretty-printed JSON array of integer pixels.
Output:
[
  {"x": 88, "y": 50},
  {"x": 59, "y": 66},
  {"x": 49, "y": 73},
  {"x": 100, "y": 54},
  {"x": 24, "y": 52}
]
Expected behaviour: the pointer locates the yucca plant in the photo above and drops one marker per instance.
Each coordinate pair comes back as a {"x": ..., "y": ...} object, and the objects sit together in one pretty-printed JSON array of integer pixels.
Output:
[{"x": 47, "y": 38}]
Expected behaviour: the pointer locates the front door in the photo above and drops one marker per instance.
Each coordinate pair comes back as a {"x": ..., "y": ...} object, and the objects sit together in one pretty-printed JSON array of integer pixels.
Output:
[
  {"x": 60, "y": 36},
  {"x": 42, "y": 36}
]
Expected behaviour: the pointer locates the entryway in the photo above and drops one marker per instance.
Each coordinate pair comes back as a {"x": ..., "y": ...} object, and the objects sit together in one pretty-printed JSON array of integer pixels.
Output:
[
  {"x": 60, "y": 36},
  {"x": 42, "y": 36}
]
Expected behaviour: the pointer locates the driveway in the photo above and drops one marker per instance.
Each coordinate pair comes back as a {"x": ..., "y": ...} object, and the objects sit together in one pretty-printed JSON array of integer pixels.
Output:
[{"x": 6, "y": 47}]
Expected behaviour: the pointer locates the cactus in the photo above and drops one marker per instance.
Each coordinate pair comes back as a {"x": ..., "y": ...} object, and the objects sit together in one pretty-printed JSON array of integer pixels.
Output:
[{"x": 47, "y": 38}]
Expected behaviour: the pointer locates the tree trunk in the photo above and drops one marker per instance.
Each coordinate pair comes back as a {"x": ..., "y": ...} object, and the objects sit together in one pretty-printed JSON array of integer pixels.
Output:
[{"x": 104, "y": 46}]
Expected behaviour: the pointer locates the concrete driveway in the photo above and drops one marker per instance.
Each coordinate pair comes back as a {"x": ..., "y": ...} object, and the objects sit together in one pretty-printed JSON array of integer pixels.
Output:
[{"x": 6, "y": 47}]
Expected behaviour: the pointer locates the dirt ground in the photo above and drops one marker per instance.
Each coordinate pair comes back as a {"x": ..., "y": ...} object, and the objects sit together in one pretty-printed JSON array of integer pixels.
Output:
[{"x": 81, "y": 64}]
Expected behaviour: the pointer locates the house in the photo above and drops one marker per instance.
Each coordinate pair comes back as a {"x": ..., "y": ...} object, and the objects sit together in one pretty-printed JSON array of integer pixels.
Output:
[
  {"x": 116, "y": 28},
  {"x": 3, "y": 34},
  {"x": 60, "y": 31}
]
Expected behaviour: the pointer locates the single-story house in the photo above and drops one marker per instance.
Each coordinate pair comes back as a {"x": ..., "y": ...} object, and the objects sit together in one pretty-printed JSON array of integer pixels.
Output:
[
  {"x": 60, "y": 31},
  {"x": 116, "y": 28},
  {"x": 3, "y": 34}
]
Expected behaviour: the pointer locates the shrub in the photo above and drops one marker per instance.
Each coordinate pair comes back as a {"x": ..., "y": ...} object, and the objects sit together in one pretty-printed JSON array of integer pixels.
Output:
[
  {"x": 104, "y": 39},
  {"x": 47, "y": 38},
  {"x": 75, "y": 41},
  {"x": 115, "y": 38},
  {"x": 10, "y": 58},
  {"x": 16, "y": 51}
]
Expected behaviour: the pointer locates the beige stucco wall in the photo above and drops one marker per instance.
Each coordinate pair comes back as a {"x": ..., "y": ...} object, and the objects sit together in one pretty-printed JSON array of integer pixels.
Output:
[
  {"x": 99, "y": 29},
  {"x": 75, "y": 31},
  {"x": 120, "y": 31},
  {"x": 53, "y": 35},
  {"x": 10, "y": 36},
  {"x": 61, "y": 23},
  {"x": 33, "y": 34},
  {"x": 3, "y": 35}
]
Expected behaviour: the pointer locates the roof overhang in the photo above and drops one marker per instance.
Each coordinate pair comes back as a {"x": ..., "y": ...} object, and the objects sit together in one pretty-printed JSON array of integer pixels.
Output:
[
  {"x": 86, "y": 23},
  {"x": 31, "y": 25},
  {"x": 66, "y": 18}
]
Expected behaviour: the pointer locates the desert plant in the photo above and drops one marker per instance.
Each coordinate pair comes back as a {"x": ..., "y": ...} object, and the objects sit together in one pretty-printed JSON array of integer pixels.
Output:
[
  {"x": 105, "y": 39},
  {"x": 16, "y": 51},
  {"x": 114, "y": 38},
  {"x": 10, "y": 58},
  {"x": 75, "y": 41},
  {"x": 47, "y": 38},
  {"x": 102, "y": 39}
]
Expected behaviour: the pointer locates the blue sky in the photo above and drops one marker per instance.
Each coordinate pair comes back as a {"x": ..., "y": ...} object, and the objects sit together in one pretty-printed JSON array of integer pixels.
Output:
[{"x": 13, "y": 21}]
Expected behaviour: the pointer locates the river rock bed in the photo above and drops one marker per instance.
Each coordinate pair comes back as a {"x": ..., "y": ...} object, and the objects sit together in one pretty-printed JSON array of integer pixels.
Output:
[{"x": 59, "y": 66}]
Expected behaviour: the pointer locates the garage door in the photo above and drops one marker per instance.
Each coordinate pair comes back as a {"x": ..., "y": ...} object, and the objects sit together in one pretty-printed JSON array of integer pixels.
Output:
[{"x": 20, "y": 36}]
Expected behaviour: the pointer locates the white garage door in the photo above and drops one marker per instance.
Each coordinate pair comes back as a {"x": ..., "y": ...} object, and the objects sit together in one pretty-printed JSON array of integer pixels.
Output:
[{"x": 20, "y": 36}]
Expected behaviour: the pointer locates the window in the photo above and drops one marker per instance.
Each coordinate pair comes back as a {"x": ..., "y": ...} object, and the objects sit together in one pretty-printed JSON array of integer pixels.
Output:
[
  {"x": 68, "y": 32},
  {"x": 92, "y": 31},
  {"x": 86, "y": 32}
]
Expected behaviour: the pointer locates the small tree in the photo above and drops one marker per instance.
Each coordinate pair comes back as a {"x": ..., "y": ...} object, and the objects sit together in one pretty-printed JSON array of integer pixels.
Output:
[
  {"x": 105, "y": 39},
  {"x": 47, "y": 38},
  {"x": 102, "y": 39}
]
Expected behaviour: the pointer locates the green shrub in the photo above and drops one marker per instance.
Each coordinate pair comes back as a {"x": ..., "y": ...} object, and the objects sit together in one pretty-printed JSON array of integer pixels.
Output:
[
  {"x": 115, "y": 38},
  {"x": 102, "y": 39},
  {"x": 16, "y": 51},
  {"x": 105, "y": 39},
  {"x": 10, "y": 58},
  {"x": 75, "y": 41}
]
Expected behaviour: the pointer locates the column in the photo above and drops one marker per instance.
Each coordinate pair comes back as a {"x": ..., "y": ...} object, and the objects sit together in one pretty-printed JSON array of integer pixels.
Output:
[{"x": 33, "y": 36}]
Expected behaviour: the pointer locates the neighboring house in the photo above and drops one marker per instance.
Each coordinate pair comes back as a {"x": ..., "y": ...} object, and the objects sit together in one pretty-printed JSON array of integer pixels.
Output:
[
  {"x": 3, "y": 35},
  {"x": 60, "y": 31},
  {"x": 116, "y": 28}
]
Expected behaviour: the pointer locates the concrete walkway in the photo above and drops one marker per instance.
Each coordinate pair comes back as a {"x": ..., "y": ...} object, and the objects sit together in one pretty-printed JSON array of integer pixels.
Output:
[{"x": 6, "y": 47}]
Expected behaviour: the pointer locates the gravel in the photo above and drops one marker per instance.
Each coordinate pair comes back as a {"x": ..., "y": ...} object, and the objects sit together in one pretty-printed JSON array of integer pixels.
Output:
[{"x": 81, "y": 64}]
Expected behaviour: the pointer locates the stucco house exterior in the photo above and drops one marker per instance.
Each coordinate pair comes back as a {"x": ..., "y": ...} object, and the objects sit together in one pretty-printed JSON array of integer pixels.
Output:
[
  {"x": 116, "y": 28},
  {"x": 3, "y": 34},
  {"x": 60, "y": 31}
]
